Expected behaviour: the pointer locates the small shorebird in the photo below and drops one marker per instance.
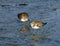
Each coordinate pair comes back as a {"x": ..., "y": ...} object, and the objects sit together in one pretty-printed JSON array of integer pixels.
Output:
[
  {"x": 23, "y": 17},
  {"x": 37, "y": 24}
]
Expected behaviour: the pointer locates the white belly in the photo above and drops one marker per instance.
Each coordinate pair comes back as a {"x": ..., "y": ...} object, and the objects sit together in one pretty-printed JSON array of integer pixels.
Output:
[
  {"x": 24, "y": 20},
  {"x": 35, "y": 27}
]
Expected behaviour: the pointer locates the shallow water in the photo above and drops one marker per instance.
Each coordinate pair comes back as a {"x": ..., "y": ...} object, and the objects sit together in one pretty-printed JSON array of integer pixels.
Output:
[{"x": 42, "y": 10}]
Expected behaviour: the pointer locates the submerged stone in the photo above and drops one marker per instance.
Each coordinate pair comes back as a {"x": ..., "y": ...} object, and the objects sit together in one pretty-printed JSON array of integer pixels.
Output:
[
  {"x": 24, "y": 29},
  {"x": 36, "y": 38}
]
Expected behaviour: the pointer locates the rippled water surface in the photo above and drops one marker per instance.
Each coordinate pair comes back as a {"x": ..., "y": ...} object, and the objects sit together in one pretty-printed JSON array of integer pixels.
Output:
[{"x": 42, "y": 10}]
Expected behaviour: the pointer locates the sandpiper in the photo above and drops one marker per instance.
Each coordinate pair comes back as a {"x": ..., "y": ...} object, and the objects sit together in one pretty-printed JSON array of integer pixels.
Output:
[
  {"x": 37, "y": 24},
  {"x": 23, "y": 17}
]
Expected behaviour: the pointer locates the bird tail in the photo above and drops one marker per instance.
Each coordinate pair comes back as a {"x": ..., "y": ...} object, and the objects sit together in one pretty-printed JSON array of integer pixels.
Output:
[{"x": 44, "y": 24}]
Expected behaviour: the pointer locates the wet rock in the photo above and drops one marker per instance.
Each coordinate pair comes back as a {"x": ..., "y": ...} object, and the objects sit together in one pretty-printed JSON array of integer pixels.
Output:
[
  {"x": 2, "y": 29},
  {"x": 4, "y": 5},
  {"x": 54, "y": 9},
  {"x": 23, "y": 4}
]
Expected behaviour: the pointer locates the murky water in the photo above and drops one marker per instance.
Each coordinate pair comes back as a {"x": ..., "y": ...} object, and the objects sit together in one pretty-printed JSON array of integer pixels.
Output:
[{"x": 43, "y": 10}]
